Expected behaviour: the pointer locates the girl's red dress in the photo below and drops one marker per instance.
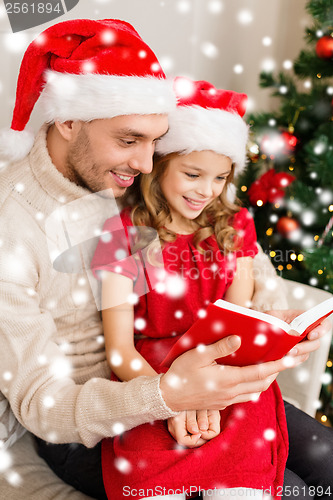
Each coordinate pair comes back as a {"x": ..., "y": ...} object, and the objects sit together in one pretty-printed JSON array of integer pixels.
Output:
[{"x": 252, "y": 448}]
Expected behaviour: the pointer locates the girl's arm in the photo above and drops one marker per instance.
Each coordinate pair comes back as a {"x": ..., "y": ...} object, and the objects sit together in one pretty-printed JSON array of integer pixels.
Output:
[
  {"x": 242, "y": 287},
  {"x": 118, "y": 325}
]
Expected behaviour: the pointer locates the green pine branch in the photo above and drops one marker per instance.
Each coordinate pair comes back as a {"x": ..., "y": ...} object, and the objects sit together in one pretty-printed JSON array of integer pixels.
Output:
[
  {"x": 321, "y": 11},
  {"x": 309, "y": 65}
]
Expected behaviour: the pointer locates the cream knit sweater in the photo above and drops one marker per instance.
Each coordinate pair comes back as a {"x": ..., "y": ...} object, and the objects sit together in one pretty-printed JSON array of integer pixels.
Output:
[{"x": 53, "y": 369}]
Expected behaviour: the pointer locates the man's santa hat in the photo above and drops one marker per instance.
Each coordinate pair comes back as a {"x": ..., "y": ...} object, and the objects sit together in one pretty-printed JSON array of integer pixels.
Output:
[
  {"x": 206, "y": 118},
  {"x": 83, "y": 70}
]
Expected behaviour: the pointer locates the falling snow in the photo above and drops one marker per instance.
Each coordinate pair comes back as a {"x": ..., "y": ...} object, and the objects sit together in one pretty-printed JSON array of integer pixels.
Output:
[
  {"x": 7, "y": 376},
  {"x": 215, "y": 6},
  {"x": 140, "y": 324},
  {"x": 267, "y": 41},
  {"x": 269, "y": 434},
  {"x": 49, "y": 402},
  {"x": 287, "y": 64},
  {"x": 201, "y": 348},
  {"x": 5, "y": 460},
  {"x": 136, "y": 364},
  {"x": 60, "y": 368},
  {"x": 118, "y": 428},
  {"x": 260, "y": 339},
  {"x": 245, "y": 16},
  {"x": 209, "y": 50},
  {"x": 116, "y": 359}
]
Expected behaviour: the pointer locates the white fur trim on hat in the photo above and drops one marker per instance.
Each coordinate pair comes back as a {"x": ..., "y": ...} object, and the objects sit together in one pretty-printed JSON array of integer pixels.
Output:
[
  {"x": 15, "y": 145},
  {"x": 193, "y": 128},
  {"x": 92, "y": 96}
]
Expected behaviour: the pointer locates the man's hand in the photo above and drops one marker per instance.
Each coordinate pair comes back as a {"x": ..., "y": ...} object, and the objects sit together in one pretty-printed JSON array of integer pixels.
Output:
[
  {"x": 196, "y": 381},
  {"x": 194, "y": 428},
  {"x": 312, "y": 341}
]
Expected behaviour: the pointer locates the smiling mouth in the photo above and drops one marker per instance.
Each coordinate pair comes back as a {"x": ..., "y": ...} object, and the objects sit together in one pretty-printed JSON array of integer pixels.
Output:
[
  {"x": 195, "y": 203},
  {"x": 122, "y": 179}
]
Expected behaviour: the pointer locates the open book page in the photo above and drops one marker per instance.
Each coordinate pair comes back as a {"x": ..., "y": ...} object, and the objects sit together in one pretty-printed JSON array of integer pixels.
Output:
[
  {"x": 254, "y": 314},
  {"x": 301, "y": 323},
  {"x": 311, "y": 317}
]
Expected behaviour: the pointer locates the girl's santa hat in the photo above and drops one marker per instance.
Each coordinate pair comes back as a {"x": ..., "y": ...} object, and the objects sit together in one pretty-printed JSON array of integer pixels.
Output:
[
  {"x": 83, "y": 70},
  {"x": 206, "y": 118}
]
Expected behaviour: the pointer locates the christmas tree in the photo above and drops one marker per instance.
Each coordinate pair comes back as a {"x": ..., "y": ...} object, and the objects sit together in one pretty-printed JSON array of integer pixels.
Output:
[{"x": 289, "y": 183}]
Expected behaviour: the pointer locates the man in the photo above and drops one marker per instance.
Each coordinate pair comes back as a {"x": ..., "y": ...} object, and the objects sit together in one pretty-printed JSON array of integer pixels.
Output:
[{"x": 107, "y": 100}]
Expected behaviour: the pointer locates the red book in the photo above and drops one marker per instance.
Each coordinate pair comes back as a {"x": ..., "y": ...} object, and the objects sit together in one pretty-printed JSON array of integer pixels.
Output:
[{"x": 264, "y": 337}]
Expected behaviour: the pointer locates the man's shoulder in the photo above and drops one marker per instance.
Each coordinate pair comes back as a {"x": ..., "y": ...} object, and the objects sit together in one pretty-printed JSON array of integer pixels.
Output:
[
  {"x": 13, "y": 179},
  {"x": 17, "y": 213}
]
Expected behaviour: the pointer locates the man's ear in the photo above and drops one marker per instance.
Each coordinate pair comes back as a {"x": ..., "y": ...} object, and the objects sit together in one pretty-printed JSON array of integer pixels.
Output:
[{"x": 68, "y": 130}]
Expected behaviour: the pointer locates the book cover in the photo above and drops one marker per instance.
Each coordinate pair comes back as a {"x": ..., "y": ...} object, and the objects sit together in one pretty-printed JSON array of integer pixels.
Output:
[{"x": 263, "y": 337}]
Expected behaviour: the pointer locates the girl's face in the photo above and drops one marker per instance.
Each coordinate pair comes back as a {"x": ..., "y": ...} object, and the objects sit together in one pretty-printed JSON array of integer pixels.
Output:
[{"x": 191, "y": 182}]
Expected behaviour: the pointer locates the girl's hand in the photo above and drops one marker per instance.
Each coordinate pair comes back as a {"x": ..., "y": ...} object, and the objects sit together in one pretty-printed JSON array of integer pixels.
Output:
[
  {"x": 177, "y": 427},
  {"x": 194, "y": 428},
  {"x": 208, "y": 422},
  {"x": 205, "y": 422}
]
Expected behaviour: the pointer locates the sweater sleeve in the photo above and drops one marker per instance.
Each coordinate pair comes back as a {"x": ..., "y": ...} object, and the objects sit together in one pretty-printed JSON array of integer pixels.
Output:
[{"x": 35, "y": 373}]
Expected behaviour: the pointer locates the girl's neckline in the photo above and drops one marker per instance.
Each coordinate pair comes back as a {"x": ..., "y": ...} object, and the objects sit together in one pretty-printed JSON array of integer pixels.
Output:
[
  {"x": 182, "y": 234},
  {"x": 185, "y": 235}
]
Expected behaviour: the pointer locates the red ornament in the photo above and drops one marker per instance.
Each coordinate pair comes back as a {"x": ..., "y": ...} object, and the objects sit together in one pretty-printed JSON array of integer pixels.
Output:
[
  {"x": 290, "y": 142},
  {"x": 324, "y": 47},
  {"x": 287, "y": 225},
  {"x": 269, "y": 187}
]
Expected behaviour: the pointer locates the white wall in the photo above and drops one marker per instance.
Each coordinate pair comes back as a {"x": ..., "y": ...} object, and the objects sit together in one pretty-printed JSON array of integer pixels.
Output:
[{"x": 178, "y": 31}]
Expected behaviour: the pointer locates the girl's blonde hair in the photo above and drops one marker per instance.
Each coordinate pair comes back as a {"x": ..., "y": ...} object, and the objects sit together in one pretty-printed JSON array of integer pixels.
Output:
[{"x": 151, "y": 210}]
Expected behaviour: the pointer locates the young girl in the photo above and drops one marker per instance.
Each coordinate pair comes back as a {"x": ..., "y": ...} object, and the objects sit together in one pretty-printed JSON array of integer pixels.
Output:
[{"x": 208, "y": 244}]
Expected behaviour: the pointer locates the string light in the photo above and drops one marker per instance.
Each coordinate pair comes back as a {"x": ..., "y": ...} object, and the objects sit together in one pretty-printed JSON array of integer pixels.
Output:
[
  {"x": 269, "y": 231},
  {"x": 329, "y": 364},
  {"x": 272, "y": 253},
  {"x": 323, "y": 418},
  {"x": 244, "y": 189}
]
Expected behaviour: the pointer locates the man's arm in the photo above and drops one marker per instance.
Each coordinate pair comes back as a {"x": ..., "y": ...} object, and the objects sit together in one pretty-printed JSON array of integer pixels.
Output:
[
  {"x": 58, "y": 395},
  {"x": 36, "y": 379}
]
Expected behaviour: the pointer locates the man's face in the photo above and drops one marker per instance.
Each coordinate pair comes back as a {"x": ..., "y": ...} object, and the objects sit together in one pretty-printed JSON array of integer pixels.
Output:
[{"x": 110, "y": 153}]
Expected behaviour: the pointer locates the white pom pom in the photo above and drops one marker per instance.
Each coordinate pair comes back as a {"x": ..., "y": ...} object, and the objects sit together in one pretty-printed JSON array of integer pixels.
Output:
[{"x": 15, "y": 145}]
